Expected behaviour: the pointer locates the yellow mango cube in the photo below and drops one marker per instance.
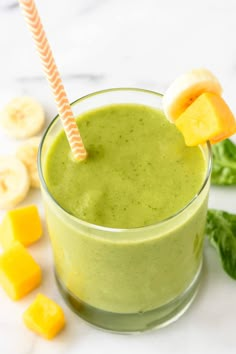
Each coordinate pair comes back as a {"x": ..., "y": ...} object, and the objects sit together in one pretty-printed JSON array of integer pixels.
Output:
[
  {"x": 21, "y": 225},
  {"x": 224, "y": 135},
  {"x": 19, "y": 273},
  {"x": 207, "y": 118},
  {"x": 44, "y": 317}
]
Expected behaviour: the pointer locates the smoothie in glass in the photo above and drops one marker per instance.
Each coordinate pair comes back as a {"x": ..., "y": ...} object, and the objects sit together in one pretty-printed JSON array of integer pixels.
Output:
[{"x": 126, "y": 224}]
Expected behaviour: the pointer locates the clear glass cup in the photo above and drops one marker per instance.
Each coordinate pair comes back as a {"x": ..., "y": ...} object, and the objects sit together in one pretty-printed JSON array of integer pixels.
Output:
[{"x": 120, "y": 300}]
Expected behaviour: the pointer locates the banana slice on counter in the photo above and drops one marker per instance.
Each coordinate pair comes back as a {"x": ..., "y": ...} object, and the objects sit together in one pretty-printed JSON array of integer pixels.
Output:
[
  {"x": 14, "y": 182},
  {"x": 185, "y": 89},
  {"x": 22, "y": 117},
  {"x": 27, "y": 153}
]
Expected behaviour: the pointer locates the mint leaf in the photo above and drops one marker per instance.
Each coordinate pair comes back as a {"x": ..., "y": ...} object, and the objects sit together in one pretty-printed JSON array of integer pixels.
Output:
[
  {"x": 224, "y": 163},
  {"x": 221, "y": 231}
]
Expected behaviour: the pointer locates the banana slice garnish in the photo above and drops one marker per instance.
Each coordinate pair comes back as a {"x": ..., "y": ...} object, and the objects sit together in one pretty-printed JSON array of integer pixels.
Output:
[
  {"x": 185, "y": 89},
  {"x": 14, "y": 182},
  {"x": 22, "y": 117},
  {"x": 27, "y": 153}
]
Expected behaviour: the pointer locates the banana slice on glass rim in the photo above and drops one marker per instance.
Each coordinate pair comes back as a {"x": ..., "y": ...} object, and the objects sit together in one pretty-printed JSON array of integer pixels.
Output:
[
  {"x": 14, "y": 182},
  {"x": 22, "y": 117},
  {"x": 185, "y": 89},
  {"x": 27, "y": 153}
]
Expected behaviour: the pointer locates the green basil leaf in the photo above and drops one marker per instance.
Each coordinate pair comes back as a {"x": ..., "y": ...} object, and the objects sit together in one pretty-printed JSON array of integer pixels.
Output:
[
  {"x": 221, "y": 231},
  {"x": 224, "y": 163}
]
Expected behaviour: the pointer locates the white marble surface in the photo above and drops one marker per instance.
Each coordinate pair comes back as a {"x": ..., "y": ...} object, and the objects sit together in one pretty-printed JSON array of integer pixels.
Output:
[{"x": 107, "y": 43}]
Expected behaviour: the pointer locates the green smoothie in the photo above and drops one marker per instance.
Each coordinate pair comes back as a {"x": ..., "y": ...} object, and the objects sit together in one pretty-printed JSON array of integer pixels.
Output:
[
  {"x": 139, "y": 170},
  {"x": 138, "y": 173}
]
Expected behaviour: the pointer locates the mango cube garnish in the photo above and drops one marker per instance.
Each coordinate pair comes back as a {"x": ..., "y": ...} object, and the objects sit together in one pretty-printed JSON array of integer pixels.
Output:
[
  {"x": 44, "y": 317},
  {"x": 207, "y": 118},
  {"x": 19, "y": 273},
  {"x": 21, "y": 225}
]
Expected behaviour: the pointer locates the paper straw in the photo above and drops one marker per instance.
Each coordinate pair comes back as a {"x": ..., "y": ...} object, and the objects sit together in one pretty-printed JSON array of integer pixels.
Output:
[{"x": 64, "y": 109}]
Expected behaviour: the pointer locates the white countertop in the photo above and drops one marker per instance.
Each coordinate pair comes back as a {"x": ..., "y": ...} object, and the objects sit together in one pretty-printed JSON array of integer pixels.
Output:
[{"x": 106, "y": 43}]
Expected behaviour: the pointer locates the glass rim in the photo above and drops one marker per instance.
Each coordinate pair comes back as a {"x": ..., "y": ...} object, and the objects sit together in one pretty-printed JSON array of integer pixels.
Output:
[{"x": 106, "y": 228}]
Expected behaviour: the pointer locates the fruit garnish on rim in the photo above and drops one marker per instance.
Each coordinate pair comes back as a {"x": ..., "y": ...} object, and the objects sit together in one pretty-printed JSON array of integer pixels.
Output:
[{"x": 194, "y": 103}]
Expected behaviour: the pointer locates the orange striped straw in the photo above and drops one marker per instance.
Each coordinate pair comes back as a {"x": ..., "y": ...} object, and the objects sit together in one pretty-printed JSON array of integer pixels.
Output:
[{"x": 68, "y": 120}]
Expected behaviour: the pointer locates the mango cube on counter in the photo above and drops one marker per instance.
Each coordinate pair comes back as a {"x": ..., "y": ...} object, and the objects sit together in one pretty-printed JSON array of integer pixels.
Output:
[
  {"x": 19, "y": 273},
  {"x": 44, "y": 317},
  {"x": 21, "y": 225},
  {"x": 207, "y": 118}
]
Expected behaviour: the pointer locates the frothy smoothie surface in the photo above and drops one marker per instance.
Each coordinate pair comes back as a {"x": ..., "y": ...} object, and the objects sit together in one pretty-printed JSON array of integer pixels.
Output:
[{"x": 138, "y": 169}]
